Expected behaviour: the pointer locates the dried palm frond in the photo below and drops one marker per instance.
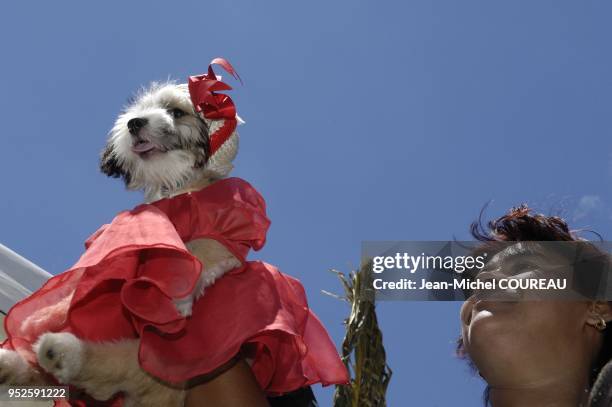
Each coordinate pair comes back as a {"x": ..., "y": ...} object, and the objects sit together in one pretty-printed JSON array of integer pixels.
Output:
[{"x": 363, "y": 352}]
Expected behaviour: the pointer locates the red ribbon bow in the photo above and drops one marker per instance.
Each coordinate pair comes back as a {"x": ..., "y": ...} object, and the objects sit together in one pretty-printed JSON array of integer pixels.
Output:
[{"x": 215, "y": 106}]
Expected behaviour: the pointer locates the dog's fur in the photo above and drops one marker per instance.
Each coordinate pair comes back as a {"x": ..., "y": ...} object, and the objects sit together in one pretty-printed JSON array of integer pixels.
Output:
[{"x": 164, "y": 153}]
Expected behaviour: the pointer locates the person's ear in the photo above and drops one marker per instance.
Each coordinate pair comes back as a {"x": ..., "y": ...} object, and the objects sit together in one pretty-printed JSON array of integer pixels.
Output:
[
  {"x": 600, "y": 315},
  {"x": 466, "y": 310}
]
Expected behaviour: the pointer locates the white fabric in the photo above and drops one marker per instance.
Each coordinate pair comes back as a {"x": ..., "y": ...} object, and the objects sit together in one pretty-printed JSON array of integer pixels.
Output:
[{"x": 18, "y": 278}]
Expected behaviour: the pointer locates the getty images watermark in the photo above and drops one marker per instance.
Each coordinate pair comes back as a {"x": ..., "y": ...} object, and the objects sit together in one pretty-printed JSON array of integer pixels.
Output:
[{"x": 497, "y": 271}]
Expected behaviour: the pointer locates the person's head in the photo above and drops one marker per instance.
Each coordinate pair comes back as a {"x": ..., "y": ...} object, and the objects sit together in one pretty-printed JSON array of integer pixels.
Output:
[{"x": 516, "y": 344}]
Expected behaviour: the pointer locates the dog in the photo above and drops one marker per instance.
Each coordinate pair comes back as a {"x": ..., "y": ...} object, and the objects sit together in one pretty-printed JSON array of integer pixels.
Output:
[{"x": 160, "y": 144}]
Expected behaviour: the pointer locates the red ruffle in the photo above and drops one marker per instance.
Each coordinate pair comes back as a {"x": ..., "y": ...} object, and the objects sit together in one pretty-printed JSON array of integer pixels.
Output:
[{"x": 140, "y": 259}]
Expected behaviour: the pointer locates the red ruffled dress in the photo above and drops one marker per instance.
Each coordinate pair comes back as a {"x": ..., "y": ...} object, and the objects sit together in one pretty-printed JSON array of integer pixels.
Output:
[{"x": 123, "y": 286}]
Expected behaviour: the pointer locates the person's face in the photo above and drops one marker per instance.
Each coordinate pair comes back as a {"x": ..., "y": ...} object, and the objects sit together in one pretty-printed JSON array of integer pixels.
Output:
[{"x": 514, "y": 342}]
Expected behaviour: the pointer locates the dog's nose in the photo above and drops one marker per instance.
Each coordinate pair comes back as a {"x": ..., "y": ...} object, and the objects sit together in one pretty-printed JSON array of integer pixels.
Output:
[{"x": 136, "y": 124}]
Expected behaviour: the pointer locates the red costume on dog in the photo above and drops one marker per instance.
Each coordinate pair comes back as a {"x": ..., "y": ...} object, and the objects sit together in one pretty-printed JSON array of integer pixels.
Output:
[{"x": 123, "y": 285}]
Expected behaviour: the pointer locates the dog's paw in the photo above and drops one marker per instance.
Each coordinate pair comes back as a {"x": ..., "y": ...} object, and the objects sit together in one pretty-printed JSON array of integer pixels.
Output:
[
  {"x": 14, "y": 370},
  {"x": 214, "y": 272},
  {"x": 60, "y": 354},
  {"x": 183, "y": 306},
  {"x": 207, "y": 278}
]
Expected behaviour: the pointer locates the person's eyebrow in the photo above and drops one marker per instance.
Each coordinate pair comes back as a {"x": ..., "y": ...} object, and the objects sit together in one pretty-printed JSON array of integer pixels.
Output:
[
  {"x": 517, "y": 251},
  {"x": 522, "y": 250}
]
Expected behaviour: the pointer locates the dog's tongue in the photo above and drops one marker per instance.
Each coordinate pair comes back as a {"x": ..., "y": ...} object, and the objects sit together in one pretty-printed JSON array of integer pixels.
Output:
[{"x": 143, "y": 147}]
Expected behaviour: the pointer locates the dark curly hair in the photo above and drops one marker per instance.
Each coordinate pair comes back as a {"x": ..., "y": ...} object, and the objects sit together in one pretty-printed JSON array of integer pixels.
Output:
[{"x": 522, "y": 224}]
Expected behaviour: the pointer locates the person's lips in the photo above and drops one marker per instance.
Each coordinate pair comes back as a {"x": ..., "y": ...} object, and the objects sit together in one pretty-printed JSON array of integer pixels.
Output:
[{"x": 491, "y": 307}]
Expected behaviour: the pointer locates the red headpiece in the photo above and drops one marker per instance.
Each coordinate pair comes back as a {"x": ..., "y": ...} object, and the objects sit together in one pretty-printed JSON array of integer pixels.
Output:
[{"x": 215, "y": 106}]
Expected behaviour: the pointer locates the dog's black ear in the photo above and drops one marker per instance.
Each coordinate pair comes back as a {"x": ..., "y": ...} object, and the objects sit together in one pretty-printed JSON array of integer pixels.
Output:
[
  {"x": 110, "y": 166},
  {"x": 202, "y": 146}
]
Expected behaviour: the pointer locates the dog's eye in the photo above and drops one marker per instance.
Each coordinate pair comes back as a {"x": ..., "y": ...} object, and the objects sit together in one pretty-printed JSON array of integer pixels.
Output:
[{"x": 176, "y": 113}]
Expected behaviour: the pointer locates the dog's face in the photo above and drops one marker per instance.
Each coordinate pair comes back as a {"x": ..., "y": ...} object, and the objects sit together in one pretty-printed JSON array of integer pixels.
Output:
[{"x": 159, "y": 143}]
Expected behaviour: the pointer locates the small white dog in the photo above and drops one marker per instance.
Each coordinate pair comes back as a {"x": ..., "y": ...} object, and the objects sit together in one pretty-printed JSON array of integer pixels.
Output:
[{"x": 160, "y": 144}]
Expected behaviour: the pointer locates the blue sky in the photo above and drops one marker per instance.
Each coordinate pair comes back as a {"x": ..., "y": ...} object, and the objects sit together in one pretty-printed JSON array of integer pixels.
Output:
[{"x": 365, "y": 121}]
